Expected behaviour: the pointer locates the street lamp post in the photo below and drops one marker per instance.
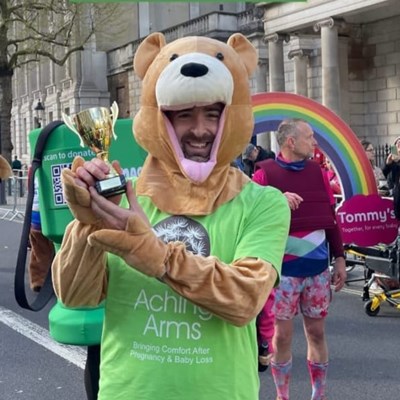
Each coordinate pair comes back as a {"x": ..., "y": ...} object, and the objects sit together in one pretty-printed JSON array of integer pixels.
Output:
[{"x": 39, "y": 114}]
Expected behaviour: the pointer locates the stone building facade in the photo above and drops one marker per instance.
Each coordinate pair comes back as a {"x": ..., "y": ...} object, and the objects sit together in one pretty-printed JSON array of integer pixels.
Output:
[
  {"x": 346, "y": 56},
  {"x": 343, "y": 54},
  {"x": 87, "y": 80}
]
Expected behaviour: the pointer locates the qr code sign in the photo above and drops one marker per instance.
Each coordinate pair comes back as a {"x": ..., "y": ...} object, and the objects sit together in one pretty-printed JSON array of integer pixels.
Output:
[{"x": 58, "y": 194}]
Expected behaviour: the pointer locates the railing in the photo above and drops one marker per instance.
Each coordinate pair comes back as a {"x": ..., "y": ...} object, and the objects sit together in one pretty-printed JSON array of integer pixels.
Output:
[
  {"x": 16, "y": 193},
  {"x": 381, "y": 153}
]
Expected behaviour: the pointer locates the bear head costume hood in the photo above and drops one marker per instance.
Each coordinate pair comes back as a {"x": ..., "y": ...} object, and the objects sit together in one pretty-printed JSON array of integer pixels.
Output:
[{"x": 186, "y": 73}]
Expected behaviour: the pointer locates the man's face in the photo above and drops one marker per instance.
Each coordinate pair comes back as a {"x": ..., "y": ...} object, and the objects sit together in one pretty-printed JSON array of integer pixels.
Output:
[
  {"x": 304, "y": 143},
  {"x": 253, "y": 155},
  {"x": 195, "y": 129}
]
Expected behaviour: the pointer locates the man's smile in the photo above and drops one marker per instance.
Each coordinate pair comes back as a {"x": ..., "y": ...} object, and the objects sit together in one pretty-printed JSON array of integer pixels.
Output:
[{"x": 197, "y": 150}]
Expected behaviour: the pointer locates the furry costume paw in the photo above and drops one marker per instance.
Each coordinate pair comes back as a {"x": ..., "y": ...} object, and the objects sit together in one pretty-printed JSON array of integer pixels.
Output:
[
  {"x": 137, "y": 245},
  {"x": 78, "y": 198}
]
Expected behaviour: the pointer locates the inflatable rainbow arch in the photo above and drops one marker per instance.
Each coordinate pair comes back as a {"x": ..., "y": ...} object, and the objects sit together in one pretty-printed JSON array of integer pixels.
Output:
[{"x": 333, "y": 135}]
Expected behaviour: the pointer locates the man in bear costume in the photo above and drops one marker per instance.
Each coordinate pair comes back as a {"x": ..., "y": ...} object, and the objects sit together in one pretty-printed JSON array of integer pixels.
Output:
[{"x": 187, "y": 258}]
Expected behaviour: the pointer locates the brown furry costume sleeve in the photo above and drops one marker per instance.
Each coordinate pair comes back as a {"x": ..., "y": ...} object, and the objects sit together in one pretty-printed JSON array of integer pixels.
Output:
[
  {"x": 5, "y": 169},
  {"x": 79, "y": 272},
  {"x": 234, "y": 292}
]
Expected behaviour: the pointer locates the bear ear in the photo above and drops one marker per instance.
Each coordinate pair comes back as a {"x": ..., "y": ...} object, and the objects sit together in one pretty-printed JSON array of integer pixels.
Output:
[
  {"x": 147, "y": 52},
  {"x": 246, "y": 51}
]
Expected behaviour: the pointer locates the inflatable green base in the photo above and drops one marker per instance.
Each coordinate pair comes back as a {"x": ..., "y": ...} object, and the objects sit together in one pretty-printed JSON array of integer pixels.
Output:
[{"x": 76, "y": 326}]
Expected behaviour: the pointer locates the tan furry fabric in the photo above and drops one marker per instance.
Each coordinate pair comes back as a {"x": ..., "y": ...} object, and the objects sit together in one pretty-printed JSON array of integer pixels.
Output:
[
  {"x": 162, "y": 178},
  {"x": 235, "y": 292},
  {"x": 5, "y": 169}
]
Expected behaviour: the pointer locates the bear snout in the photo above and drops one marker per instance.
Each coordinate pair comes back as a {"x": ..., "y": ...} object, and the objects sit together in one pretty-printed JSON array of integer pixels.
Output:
[{"x": 194, "y": 70}]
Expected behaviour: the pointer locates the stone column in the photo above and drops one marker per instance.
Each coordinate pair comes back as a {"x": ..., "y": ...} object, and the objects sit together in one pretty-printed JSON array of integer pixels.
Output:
[
  {"x": 261, "y": 75},
  {"x": 300, "y": 57},
  {"x": 194, "y": 10},
  {"x": 263, "y": 139},
  {"x": 344, "y": 77},
  {"x": 330, "y": 64},
  {"x": 144, "y": 19},
  {"x": 276, "y": 71},
  {"x": 276, "y": 63}
]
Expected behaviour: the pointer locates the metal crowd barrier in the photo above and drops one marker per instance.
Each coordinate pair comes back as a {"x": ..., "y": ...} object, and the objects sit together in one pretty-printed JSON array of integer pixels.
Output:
[{"x": 16, "y": 194}]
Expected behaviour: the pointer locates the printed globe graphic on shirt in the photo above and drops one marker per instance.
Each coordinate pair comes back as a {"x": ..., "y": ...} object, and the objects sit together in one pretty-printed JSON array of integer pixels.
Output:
[{"x": 185, "y": 230}]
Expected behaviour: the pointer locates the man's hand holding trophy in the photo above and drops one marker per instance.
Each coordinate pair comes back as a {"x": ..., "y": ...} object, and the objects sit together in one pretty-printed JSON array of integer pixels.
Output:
[{"x": 95, "y": 129}]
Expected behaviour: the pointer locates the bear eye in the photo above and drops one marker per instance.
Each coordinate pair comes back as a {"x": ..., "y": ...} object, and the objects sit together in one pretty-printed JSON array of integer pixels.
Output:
[
  {"x": 220, "y": 56},
  {"x": 173, "y": 57}
]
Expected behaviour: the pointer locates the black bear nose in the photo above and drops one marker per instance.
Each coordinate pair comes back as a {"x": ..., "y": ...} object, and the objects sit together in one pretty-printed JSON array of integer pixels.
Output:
[{"x": 194, "y": 70}]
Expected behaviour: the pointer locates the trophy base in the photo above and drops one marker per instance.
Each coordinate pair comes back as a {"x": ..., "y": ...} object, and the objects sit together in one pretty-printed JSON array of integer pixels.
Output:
[{"x": 111, "y": 186}]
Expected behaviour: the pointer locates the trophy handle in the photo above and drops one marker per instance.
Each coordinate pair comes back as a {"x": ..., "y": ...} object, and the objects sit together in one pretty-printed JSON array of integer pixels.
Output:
[
  {"x": 114, "y": 115},
  {"x": 68, "y": 121}
]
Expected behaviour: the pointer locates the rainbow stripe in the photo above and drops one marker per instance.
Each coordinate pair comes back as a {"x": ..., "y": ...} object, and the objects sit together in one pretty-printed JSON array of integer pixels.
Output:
[{"x": 333, "y": 135}]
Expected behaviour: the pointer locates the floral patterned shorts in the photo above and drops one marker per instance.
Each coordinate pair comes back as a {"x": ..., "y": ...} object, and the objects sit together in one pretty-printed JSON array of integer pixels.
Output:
[{"x": 312, "y": 294}]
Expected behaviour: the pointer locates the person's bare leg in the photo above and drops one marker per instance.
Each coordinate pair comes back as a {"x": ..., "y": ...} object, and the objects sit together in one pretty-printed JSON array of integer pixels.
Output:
[{"x": 314, "y": 330}]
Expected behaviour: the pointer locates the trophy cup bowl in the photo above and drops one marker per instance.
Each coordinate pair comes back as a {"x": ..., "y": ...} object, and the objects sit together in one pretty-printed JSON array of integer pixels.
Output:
[{"x": 95, "y": 128}]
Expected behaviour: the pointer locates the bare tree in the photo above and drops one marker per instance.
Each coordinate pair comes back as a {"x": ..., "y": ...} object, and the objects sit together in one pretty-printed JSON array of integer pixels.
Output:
[{"x": 33, "y": 30}]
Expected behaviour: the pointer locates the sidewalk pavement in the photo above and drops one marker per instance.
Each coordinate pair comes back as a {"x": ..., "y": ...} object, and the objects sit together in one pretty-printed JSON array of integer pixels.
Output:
[{"x": 14, "y": 209}]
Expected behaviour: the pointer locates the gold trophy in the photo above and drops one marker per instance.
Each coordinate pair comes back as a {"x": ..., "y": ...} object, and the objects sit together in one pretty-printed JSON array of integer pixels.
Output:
[{"x": 95, "y": 129}]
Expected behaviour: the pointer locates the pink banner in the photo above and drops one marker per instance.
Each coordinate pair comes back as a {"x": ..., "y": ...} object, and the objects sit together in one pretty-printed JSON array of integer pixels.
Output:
[{"x": 367, "y": 220}]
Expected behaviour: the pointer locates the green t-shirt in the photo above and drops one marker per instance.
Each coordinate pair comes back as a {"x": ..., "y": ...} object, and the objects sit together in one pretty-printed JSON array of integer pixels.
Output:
[{"x": 157, "y": 344}]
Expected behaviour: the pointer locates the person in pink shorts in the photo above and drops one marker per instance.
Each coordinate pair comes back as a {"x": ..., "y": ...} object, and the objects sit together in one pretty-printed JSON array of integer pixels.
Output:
[{"x": 314, "y": 238}]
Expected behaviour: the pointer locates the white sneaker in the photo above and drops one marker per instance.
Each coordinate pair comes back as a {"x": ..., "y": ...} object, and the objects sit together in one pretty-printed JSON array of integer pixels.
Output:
[{"x": 375, "y": 288}]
